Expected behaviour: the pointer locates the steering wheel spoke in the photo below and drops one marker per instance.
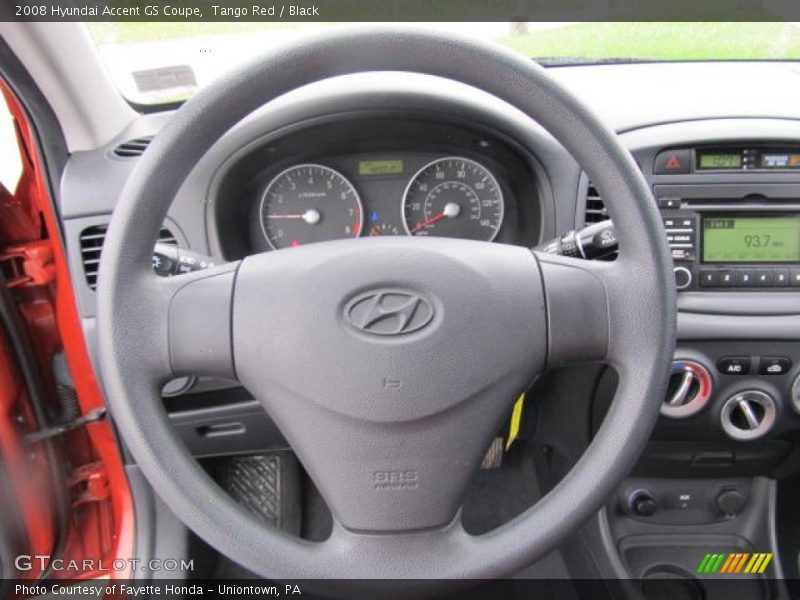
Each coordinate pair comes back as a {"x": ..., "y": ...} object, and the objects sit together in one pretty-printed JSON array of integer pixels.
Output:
[
  {"x": 199, "y": 322},
  {"x": 578, "y": 308}
]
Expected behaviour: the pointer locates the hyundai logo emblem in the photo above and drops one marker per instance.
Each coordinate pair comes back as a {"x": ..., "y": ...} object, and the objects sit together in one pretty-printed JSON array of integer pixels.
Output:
[{"x": 388, "y": 312}]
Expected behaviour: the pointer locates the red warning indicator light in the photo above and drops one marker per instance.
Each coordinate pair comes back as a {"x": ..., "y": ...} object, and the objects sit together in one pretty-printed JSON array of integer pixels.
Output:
[{"x": 673, "y": 163}]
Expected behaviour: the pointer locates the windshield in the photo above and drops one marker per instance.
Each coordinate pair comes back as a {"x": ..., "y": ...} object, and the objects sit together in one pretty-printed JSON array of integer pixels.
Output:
[{"x": 156, "y": 63}]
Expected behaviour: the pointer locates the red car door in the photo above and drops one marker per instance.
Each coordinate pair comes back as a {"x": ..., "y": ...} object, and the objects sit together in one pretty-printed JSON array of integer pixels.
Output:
[{"x": 66, "y": 506}]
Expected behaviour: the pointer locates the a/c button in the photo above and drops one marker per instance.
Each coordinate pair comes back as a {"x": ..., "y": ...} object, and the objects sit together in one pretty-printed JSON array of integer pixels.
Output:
[{"x": 734, "y": 365}]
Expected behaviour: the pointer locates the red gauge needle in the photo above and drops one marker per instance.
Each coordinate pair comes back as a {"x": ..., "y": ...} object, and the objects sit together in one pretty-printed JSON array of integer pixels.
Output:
[
  {"x": 428, "y": 222},
  {"x": 375, "y": 231}
]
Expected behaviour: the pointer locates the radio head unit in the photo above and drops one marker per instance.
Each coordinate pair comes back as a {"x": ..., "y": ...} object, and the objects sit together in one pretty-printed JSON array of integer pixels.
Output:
[
  {"x": 733, "y": 232},
  {"x": 713, "y": 249}
]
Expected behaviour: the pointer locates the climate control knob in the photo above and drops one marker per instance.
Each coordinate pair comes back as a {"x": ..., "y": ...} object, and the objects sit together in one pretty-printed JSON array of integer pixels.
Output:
[
  {"x": 748, "y": 415},
  {"x": 796, "y": 394},
  {"x": 689, "y": 390}
]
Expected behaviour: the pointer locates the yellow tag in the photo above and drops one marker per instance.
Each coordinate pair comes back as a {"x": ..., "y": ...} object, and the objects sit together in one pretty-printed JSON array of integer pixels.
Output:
[{"x": 516, "y": 419}]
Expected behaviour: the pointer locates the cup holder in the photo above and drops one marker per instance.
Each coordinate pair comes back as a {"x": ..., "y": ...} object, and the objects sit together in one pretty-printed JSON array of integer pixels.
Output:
[{"x": 668, "y": 582}]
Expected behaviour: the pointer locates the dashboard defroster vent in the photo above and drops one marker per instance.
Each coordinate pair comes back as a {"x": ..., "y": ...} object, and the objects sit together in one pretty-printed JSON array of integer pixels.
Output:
[
  {"x": 133, "y": 148},
  {"x": 91, "y": 241},
  {"x": 595, "y": 208}
]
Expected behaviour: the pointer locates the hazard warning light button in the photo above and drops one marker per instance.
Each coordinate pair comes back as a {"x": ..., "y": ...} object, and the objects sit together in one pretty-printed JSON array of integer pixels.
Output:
[{"x": 671, "y": 162}]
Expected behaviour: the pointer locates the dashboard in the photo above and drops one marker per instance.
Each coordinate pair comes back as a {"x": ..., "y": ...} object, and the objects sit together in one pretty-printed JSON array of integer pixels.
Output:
[{"x": 404, "y": 154}]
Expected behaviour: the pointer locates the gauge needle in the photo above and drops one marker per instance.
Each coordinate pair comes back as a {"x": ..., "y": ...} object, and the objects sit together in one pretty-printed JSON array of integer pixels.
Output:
[
  {"x": 374, "y": 231},
  {"x": 311, "y": 216},
  {"x": 451, "y": 209}
]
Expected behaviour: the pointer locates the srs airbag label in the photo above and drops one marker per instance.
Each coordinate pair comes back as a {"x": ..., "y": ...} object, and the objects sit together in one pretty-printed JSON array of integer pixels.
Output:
[{"x": 407, "y": 479}]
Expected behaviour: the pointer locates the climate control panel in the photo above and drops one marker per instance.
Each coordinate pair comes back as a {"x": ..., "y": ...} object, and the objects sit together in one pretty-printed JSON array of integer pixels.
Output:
[{"x": 740, "y": 391}]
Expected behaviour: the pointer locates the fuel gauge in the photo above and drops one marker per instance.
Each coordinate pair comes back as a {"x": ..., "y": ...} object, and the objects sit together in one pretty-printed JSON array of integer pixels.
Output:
[{"x": 378, "y": 229}]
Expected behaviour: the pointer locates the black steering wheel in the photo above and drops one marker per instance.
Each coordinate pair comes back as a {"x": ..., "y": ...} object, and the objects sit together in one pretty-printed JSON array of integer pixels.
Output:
[{"x": 388, "y": 364}]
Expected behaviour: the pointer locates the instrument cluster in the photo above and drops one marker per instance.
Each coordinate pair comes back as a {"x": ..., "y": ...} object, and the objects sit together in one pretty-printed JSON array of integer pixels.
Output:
[{"x": 363, "y": 195}]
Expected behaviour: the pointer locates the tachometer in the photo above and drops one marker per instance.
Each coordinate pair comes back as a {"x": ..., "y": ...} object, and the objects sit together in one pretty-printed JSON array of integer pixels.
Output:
[
  {"x": 453, "y": 197},
  {"x": 309, "y": 203}
]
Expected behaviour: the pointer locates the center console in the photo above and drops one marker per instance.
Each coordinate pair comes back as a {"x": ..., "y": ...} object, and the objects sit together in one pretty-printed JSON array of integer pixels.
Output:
[{"x": 730, "y": 420}]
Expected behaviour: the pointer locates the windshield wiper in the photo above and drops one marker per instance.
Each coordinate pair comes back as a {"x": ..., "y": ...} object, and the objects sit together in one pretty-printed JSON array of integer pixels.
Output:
[{"x": 563, "y": 61}]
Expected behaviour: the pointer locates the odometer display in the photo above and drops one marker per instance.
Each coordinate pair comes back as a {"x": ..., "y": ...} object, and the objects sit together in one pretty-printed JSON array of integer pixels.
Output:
[
  {"x": 309, "y": 203},
  {"x": 453, "y": 197}
]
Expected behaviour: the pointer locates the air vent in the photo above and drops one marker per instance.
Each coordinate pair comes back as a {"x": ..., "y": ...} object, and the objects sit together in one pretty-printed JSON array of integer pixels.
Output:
[
  {"x": 595, "y": 209},
  {"x": 748, "y": 415},
  {"x": 92, "y": 239},
  {"x": 133, "y": 148}
]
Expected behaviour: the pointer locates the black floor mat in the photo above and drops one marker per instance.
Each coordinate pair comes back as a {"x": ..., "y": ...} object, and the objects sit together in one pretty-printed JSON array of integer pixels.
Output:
[
  {"x": 495, "y": 496},
  {"x": 269, "y": 486}
]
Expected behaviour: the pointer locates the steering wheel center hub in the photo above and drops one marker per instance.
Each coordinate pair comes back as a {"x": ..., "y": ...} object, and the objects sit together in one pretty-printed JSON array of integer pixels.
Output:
[{"x": 388, "y": 330}]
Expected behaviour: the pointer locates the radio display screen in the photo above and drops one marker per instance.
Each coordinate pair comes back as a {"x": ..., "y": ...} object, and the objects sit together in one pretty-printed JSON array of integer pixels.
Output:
[{"x": 734, "y": 239}]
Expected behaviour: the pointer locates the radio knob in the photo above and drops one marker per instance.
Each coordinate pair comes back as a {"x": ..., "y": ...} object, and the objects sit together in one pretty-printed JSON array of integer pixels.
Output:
[{"x": 683, "y": 277}]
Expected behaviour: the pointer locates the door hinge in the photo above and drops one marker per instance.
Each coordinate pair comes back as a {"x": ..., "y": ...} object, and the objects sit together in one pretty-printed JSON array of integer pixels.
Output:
[
  {"x": 28, "y": 264},
  {"x": 94, "y": 481}
]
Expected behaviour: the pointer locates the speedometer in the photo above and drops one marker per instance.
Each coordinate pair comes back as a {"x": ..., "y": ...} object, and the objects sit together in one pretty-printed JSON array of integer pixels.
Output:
[
  {"x": 310, "y": 203},
  {"x": 453, "y": 197}
]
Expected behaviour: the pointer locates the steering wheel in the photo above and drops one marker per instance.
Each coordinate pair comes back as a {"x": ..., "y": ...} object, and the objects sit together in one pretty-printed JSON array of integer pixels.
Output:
[{"x": 388, "y": 364}]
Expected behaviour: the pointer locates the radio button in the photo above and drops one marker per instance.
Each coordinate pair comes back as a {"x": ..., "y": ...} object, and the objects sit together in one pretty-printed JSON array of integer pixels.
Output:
[
  {"x": 745, "y": 277},
  {"x": 726, "y": 278},
  {"x": 709, "y": 278},
  {"x": 669, "y": 202},
  {"x": 780, "y": 277},
  {"x": 684, "y": 254},
  {"x": 763, "y": 278},
  {"x": 680, "y": 238},
  {"x": 734, "y": 365}
]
